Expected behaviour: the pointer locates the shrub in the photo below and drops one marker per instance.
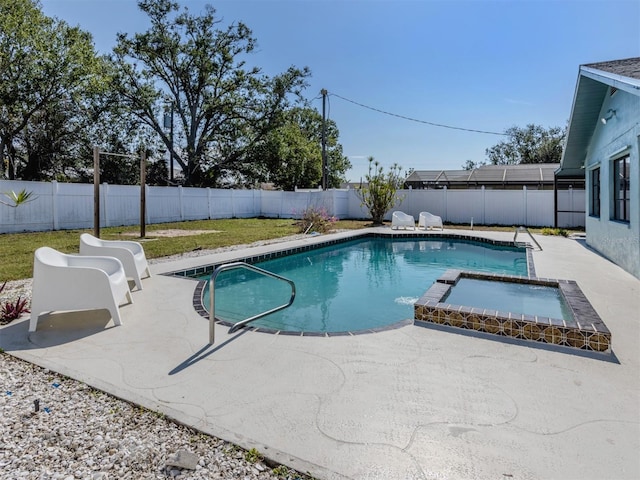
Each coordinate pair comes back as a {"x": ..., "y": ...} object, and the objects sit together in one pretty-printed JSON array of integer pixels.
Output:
[
  {"x": 15, "y": 199},
  {"x": 379, "y": 194},
  {"x": 555, "y": 231},
  {"x": 9, "y": 311},
  {"x": 316, "y": 219}
]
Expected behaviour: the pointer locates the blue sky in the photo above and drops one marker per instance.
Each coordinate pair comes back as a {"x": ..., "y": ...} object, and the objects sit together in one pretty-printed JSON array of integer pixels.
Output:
[{"x": 483, "y": 65}]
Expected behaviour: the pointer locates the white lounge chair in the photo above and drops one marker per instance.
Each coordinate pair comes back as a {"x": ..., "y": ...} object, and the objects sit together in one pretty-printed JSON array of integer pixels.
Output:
[
  {"x": 73, "y": 282},
  {"x": 131, "y": 254},
  {"x": 428, "y": 220},
  {"x": 401, "y": 219}
]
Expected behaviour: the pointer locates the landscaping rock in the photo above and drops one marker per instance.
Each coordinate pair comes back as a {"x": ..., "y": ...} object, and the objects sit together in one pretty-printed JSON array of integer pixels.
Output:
[{"x": 183, "y": 459}]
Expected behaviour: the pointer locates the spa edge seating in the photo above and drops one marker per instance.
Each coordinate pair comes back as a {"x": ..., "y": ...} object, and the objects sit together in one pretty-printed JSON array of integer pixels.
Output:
[
  {"x": 401, "y": 219},
  {"x": 428, "y": 220},
  {"x": 73, "y": 282},
  {"x": 131, "y": 254}
]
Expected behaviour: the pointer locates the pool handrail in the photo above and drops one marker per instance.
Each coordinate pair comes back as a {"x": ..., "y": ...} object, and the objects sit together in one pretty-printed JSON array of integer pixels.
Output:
[
  {"x": 525, "y": 230},
  {"x": 212, "y": 287}
]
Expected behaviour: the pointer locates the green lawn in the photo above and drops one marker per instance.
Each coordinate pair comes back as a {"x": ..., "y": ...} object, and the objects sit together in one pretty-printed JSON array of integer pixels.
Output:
[{"x": 16, "y": 250}]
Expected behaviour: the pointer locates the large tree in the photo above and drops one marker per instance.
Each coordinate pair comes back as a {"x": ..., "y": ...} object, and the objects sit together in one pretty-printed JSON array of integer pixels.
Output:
[
  {"x": 531, "y": 144},
  {"x": 191, "y": 64},
  {"x": 46, "y": 68},
  {"x": 290, "y": 155}
]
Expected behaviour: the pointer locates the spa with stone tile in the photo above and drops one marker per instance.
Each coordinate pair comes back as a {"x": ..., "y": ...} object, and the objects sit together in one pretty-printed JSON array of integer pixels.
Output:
[{"x": 582, "y": 328}]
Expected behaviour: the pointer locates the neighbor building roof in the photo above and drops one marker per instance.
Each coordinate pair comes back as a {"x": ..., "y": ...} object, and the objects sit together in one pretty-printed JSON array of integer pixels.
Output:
[{"x": 522, "y": 174}]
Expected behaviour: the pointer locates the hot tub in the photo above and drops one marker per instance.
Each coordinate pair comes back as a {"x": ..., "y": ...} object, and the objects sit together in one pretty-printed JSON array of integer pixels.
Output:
[{"x": 541, "y": 310}]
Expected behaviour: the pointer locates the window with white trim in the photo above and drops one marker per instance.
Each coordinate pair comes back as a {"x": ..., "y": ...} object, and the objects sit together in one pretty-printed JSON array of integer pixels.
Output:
[
  {"x": 594, "y": 192},
  {"x": 621, "y": 189}
]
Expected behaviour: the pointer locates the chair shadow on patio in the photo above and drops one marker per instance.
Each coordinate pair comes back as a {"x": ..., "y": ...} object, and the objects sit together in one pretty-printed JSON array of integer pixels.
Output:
[{"x": 57, "y": 328}]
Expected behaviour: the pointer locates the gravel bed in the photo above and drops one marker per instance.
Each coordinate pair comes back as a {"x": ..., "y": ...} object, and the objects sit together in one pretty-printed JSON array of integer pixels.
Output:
[{"x": 53, "y": 427}]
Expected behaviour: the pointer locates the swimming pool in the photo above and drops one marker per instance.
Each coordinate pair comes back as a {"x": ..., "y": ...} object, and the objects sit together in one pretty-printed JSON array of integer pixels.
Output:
[{"x": 356, "y": 286}]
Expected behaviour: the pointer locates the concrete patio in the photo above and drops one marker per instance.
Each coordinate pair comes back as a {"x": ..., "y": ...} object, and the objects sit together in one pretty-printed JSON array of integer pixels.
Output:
[{"x": 408, "y": 403}]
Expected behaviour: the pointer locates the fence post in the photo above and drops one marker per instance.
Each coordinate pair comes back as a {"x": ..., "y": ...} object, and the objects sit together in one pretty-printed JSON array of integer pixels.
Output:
[
  {"x": 105, "y": 202},
  {"x": 444, "y": 202},
  {"x": 233, "y": 203},
  {"x": 147, "y": 192},
  {"x": 180, "y": 201},
  {"x": 281, "y": 203},
  {"x": 54, "y": 204},
  {"x": 573, "y": 207},
  {"x": 484, "y": 205},
  {"x": 524, "y": 202}
]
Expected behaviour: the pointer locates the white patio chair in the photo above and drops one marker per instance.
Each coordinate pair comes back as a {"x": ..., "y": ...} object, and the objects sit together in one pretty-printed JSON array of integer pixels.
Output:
[
  {"x": 74, "y": 282},
  {"x": 428, "y": 220},
  {"x": 401, "y": 219},
  {"x": 131, "y": 254}
]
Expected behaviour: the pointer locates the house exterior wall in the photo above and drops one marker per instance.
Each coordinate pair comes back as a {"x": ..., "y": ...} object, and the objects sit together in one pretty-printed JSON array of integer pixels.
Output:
[{"x": 616, "y": 240}]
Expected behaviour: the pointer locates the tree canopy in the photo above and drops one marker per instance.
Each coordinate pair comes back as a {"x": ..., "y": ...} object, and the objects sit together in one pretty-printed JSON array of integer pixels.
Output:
[
  {"x": 193, "y": 65},
  {"x": 58, "y": 99},
  {"x": 471, "y": 165},
  {"x": 290, "y": 155},
  {"x": 47, "y": 70},
  {"x": 531, "y": 144}
]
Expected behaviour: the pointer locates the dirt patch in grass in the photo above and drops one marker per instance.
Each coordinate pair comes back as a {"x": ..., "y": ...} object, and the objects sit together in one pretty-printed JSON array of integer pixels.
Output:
[{"x": 170, "y": 233}]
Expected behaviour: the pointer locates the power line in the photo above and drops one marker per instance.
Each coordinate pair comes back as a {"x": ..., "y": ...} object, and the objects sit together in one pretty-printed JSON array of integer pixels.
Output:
[{"x": 415, "y": 119}]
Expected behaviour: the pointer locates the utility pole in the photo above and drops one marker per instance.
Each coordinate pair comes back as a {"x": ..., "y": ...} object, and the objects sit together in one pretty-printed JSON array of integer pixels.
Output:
[{"x": 324, "y": 139}]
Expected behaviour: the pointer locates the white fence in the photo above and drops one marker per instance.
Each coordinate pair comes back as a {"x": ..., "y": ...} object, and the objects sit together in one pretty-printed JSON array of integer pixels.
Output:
[
  {"x": 63, "y": 206},
  {"x": 499, "y": 207}
]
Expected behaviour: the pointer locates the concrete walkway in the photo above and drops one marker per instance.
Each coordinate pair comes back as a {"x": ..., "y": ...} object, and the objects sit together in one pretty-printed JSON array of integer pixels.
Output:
[{"x": 410, "y": 403}]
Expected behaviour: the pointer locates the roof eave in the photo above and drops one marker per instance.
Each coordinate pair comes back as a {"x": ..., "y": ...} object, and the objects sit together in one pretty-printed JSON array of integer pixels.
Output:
[
  {"x": 628, "y": 84},
  {"x": 579, "y": 132},
  {"x": 578, "y": 139}
]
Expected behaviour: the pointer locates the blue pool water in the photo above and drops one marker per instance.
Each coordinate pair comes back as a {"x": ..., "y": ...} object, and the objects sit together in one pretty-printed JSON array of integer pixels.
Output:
[
  {"x": 521, "y": 298},
  {"x": 356, "y": 285}
]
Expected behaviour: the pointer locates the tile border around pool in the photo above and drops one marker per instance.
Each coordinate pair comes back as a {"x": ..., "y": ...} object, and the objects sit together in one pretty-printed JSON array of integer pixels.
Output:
[
  {"x": 198, "y": 301},
  {"x": 586, "y": 332}
]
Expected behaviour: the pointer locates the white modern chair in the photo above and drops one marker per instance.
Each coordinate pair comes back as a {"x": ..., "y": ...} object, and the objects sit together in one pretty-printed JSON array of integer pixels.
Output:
[
  {"x": 131, "y": 254},
  {"x": 401, "y": 219},
  {"x": 428, "y": 220},
  {"x": 73, "y": 282}
]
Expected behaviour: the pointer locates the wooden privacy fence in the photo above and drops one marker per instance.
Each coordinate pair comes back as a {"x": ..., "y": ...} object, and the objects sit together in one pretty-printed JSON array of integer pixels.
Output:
[{"x": 64, "y": 206}]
